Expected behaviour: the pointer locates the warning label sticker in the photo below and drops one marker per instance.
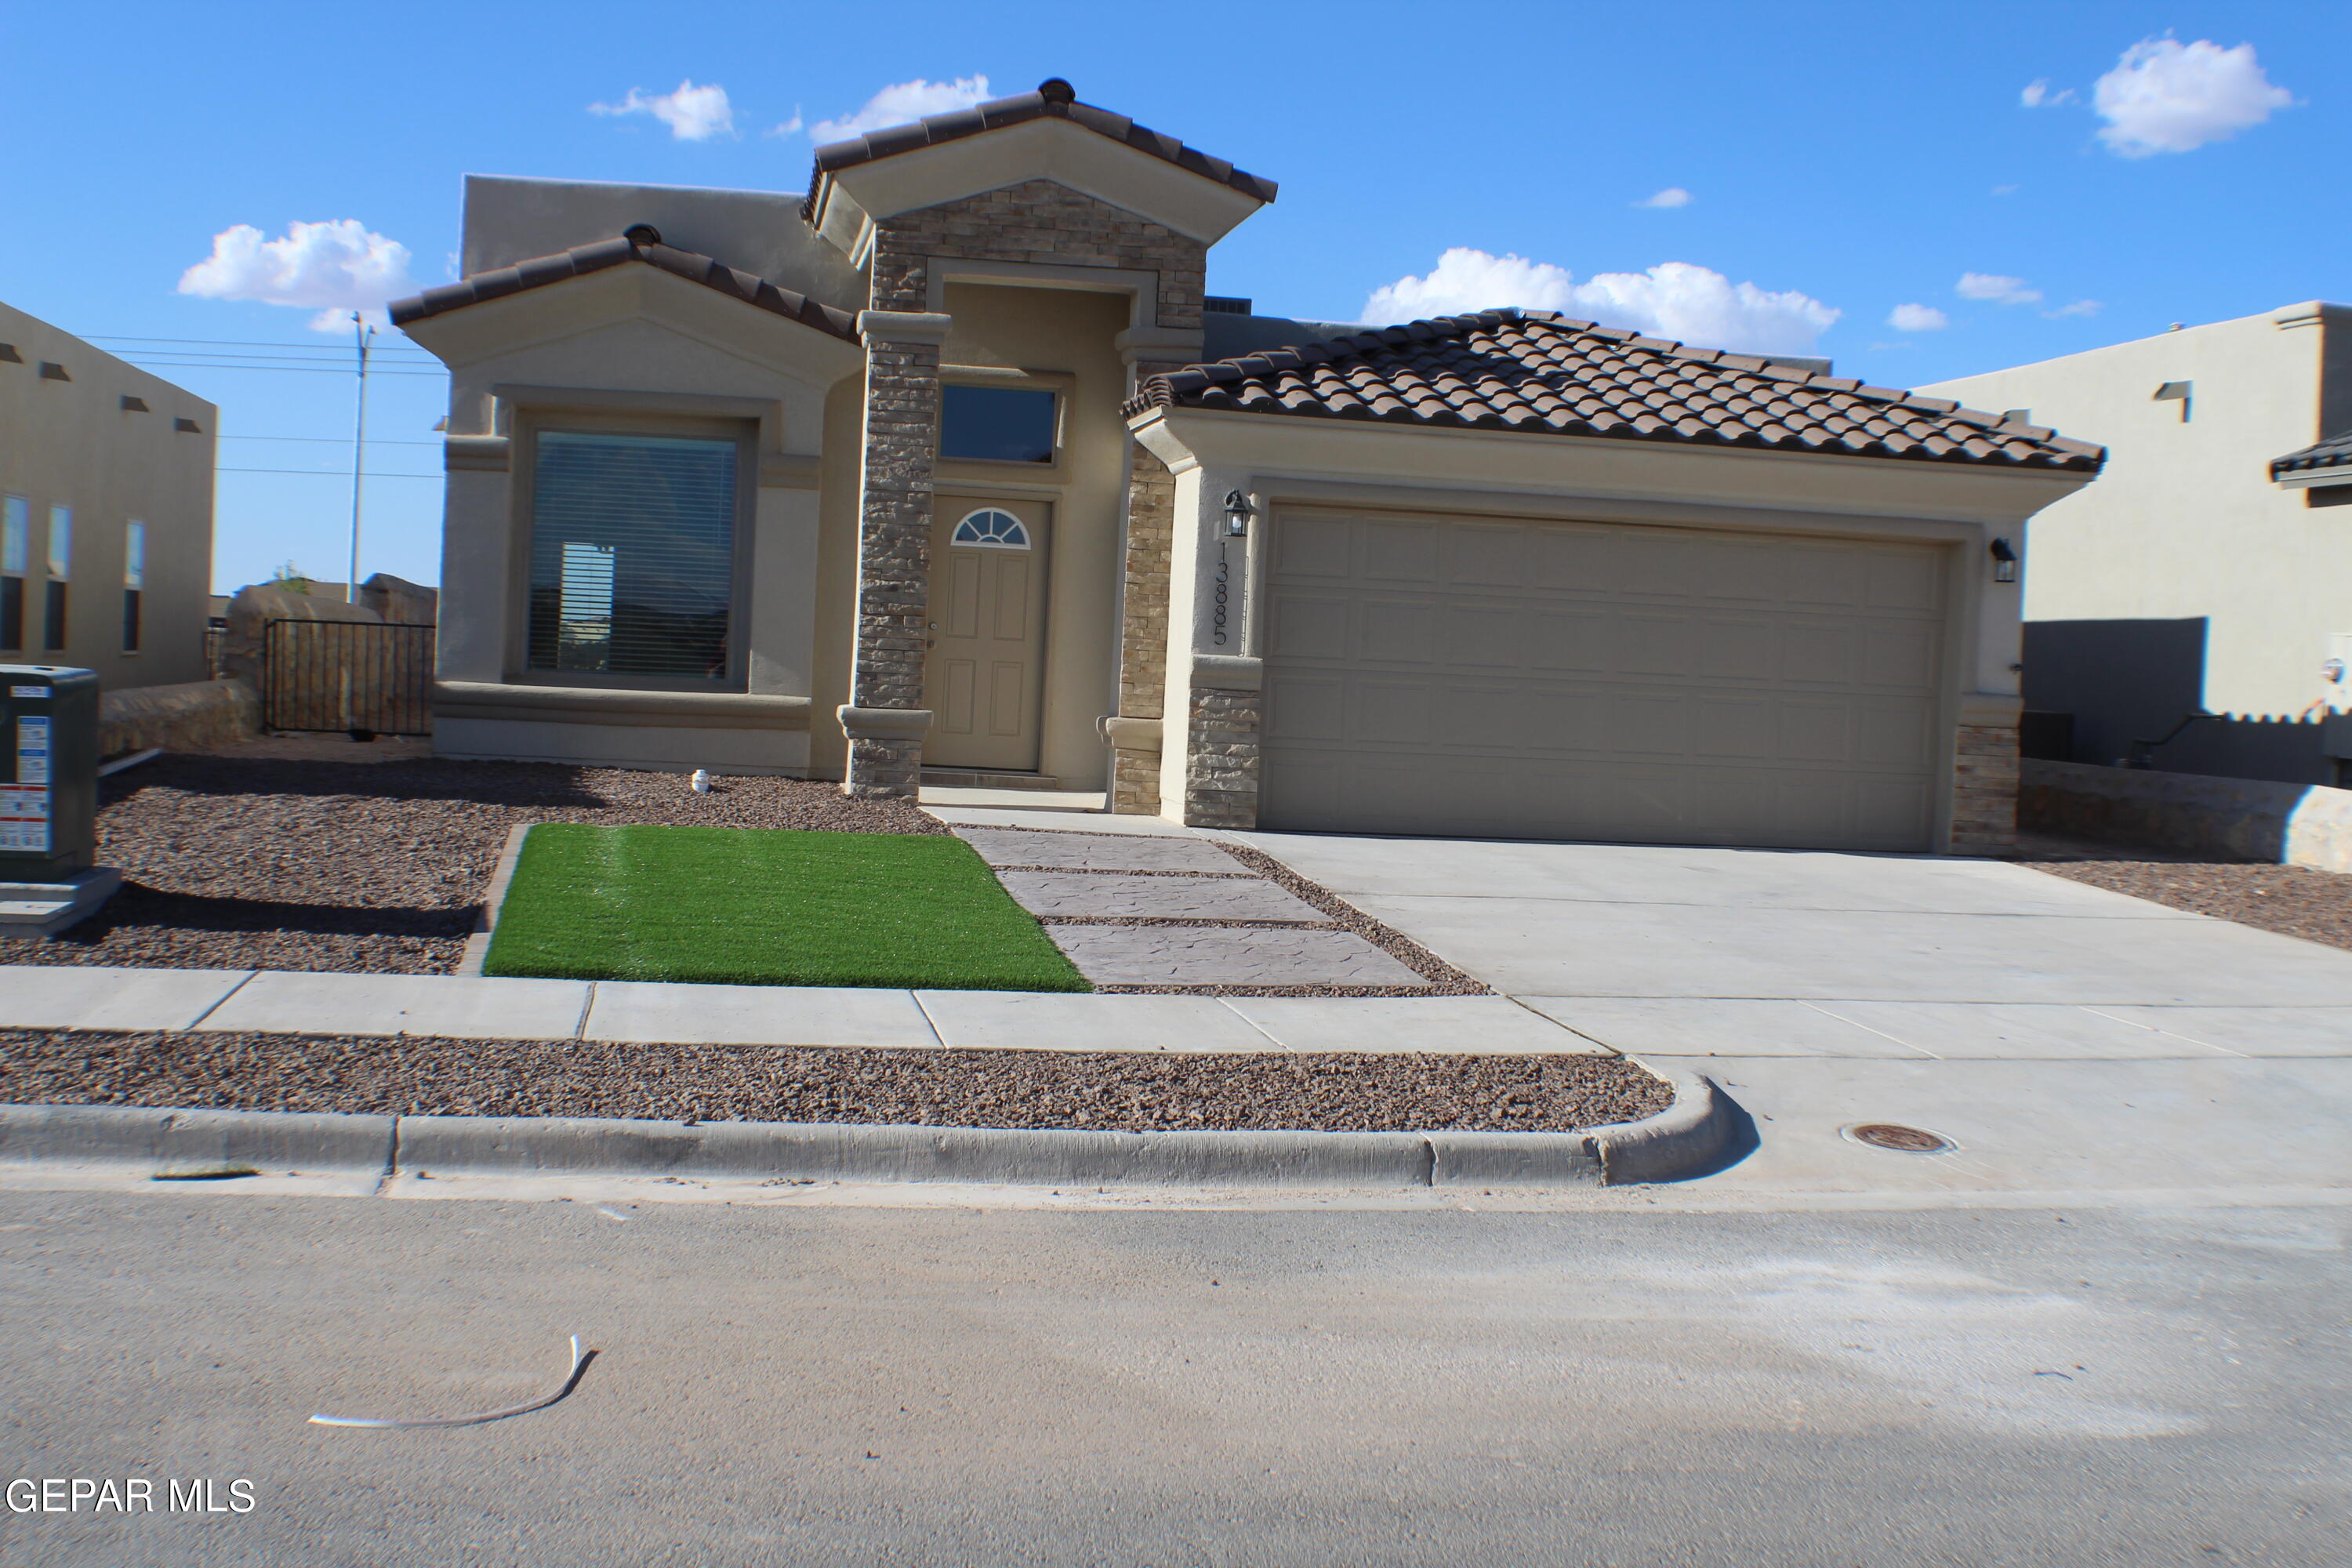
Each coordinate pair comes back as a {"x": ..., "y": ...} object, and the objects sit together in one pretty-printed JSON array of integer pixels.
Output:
[
  {"x": 32, "y": 749},
  {"x": 25, "y": 818}
]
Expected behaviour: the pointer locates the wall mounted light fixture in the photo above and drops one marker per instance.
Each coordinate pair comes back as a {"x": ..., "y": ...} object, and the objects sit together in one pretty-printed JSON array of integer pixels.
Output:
[
  {"x": 2004, "y": 562},
  {"x": 1238, "y": 512}
]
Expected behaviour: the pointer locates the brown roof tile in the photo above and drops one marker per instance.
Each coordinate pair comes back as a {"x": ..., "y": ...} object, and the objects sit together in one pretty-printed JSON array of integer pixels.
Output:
[
  {"x": 643, "y": 242},
  {"x": 1537, "y": 372},
  {"x": 1055, "y": 99}
]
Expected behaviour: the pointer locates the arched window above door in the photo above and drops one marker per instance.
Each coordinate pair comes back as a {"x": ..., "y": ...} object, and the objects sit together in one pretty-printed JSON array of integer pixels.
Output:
[{"x": 993, "y": 528}]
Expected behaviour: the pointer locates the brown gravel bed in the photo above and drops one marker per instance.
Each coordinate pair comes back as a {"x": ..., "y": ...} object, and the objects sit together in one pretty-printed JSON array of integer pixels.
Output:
[
  {"x": 2294, "y": 901},
  {"x": 1133, "y": 1091},
  {"x": 243, "y": 861}
]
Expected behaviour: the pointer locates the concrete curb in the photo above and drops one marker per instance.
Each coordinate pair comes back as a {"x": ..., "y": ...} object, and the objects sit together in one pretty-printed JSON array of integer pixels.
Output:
[
  {"x": 172, "y": 1141},
  {"x": 1679, "y": 1141},
  {"x": 485, "y": 917}
]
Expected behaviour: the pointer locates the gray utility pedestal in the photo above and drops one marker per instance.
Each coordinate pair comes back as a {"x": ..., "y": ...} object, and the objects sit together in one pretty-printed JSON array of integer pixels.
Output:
[{"x": 45, "y": 909}]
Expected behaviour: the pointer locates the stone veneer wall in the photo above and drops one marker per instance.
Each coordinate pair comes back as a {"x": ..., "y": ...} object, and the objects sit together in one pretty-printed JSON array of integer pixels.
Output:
[
  {"x": 1043, "y": 223},
  {"x": 1039, "y": 222},
  {"x": 1984, "y": 788},
  {"x": 894, "y": 544},
  {"x": 1143, "y": 636},
  {"x": 1221, "y": 762}
]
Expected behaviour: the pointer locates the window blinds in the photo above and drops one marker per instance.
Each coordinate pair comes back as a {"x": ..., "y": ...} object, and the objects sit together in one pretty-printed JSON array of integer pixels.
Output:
[{"x": 633, "y": 554}]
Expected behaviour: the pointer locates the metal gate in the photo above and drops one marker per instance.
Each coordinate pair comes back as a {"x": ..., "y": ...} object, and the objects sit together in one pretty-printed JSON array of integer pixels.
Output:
[{"x": 363, "y": 677}]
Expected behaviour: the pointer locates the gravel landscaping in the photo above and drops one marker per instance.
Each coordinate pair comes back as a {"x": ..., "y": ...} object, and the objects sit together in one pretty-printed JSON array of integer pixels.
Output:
[
  {"x": 1133, "y": 1091},
  {"x": 246, "y": 861},
  {"x": 2294, "y": 901}
]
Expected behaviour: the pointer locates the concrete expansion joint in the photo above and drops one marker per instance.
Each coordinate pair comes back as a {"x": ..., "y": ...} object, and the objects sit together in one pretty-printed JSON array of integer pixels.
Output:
[{"x": 1687, "y": 1139}]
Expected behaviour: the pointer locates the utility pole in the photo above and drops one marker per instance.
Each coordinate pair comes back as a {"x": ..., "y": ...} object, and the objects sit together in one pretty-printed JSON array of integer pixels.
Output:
[{"x": 364, "y": 334}]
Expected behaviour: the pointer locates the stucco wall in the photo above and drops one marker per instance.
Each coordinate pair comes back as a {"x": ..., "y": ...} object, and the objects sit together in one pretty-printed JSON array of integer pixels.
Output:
[
  {"x": 72, "y": 442},
  {"x": 509, "y": 220},
  {"x": 2184, "y": 523}
]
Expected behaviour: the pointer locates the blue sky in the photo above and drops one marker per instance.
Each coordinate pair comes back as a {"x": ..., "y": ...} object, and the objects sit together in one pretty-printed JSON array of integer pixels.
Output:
[{"x": 1840, "y": 160}]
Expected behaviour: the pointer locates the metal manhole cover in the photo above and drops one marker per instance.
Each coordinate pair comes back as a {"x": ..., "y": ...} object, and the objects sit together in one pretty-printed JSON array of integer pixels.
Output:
[{"x": 1901, "y": 1140}]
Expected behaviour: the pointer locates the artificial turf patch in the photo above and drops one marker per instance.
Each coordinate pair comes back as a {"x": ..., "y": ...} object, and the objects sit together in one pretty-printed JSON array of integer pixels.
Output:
[{"x": 767, "y": 907}]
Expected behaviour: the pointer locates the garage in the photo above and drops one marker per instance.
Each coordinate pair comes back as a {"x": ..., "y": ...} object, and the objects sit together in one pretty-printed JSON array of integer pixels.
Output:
[{"x": 1541, "y": 678}]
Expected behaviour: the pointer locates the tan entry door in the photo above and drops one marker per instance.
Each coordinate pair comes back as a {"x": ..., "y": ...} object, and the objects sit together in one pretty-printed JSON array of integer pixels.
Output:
[
  {"x": 1498, "y": 678},
  {"x": 986, "y": 661}
]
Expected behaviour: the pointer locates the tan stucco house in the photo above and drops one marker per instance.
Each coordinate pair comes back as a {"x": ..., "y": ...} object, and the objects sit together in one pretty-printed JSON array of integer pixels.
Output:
[
  {"x": 948, "y": 468},
  {"x": 106, "y": 511},
  {"x": 2192, "y": 610}
]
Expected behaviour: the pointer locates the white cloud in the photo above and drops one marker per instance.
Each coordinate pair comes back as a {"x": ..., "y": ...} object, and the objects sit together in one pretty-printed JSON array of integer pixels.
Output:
[
  {"x": 2079, "y": 308},
  {"x": 692, "y": 113},
  {"x": 1918, "y": 319},
  {"x": 2001, "y": 291},
  {"x": 1672, "y": 196},
  {"x": 2164, "y": 96},
  {"x": 2037, "y": 95},
  {"x": 901, "y": 102},
  {"x": 789, "y": 128},
  {"x": 2004, "y": 190},
  {"x": 333, "y": 268},
  {"x": 1672, "y": 299}
]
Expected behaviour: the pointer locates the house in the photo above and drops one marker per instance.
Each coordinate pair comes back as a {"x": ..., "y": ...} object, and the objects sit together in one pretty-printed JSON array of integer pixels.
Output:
[
  {"x": 106, "y": 511},
  {"x": 2192, "y": 610},
  {"x": 949, "y": 468}
]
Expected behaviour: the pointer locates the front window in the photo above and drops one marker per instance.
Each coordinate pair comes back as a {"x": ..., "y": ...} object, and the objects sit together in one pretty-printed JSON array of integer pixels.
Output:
[
  {"x": 632, "y": 556},
  {"x": 996, "y": 423},
  {"x": 53, "y": 611},
  {"x": 16, "y": 560},
  {"x": 135, "y": 582}
]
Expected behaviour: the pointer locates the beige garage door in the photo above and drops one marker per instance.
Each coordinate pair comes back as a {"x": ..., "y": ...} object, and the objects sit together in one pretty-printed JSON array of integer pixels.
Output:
[{"x": 1500, "y": 679}]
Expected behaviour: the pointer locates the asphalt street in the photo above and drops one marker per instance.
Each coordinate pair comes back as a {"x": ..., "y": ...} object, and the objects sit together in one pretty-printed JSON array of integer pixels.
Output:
[{"x": 1607, "y": 1379}]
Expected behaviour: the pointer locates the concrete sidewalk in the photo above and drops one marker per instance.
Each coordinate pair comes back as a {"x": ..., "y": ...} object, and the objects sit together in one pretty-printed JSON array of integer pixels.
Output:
[{"x": 282, "y": 1002}]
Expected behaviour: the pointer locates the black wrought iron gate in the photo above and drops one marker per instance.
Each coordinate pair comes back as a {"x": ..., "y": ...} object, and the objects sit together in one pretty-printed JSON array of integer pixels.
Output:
[{"x": 360, "y": 676}]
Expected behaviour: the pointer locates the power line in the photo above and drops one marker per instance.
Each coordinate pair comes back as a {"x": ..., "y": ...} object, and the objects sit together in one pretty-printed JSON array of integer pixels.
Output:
[
  {"x": 247, "y": 344},
  {"x": 323, "y": 474},
  {"x": 283, "y": 369},
  {"x": 329, "y": 440}
]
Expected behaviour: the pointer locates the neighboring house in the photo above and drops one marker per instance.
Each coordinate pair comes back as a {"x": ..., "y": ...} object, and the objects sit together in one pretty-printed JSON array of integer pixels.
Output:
[
  {"x": 106, "y": 511},
  {"x": 923, "y": 474},
  {"x": 2207, "y": 572}
]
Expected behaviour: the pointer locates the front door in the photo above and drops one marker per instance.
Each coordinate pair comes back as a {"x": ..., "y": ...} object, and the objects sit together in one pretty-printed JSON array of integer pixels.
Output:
[{"x": 985, "y": 667}]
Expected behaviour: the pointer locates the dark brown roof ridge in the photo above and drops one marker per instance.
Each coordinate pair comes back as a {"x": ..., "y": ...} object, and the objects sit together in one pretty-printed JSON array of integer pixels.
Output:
[
  {"x": 643, "y": 242},
  {"x": 1055, "y": 99},
  {"x": 2334, "y": 452},
  {"x": 1541, "y": 371}
]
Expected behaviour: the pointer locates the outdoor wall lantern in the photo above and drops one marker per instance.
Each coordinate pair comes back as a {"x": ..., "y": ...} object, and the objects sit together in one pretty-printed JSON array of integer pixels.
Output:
[
  {"x": 1238, "y": 512},
  {"x": 2004, "y": 562}
]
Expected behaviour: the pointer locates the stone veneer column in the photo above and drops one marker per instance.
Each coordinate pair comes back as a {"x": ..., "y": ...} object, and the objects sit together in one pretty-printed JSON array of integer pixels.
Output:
[
  {"x": 1984, "y": 788},
  {"x": 1137, "y": 733},
  {"x": 1220, "y": 749},
  {"x": 885, "y": 719}
]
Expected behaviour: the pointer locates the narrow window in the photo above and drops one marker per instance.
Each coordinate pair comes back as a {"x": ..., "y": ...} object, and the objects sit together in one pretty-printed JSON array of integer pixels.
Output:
[
  {"x": 16, "y": 560},
  {"x": 632, "y": 556},
  {"x": 53, "y": 616},
  {"x": 135, "y": 582},
  {"x": 997, "y": 424}
]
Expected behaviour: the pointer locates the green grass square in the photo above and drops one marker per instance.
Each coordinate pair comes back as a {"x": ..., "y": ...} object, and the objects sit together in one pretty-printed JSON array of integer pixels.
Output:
[{"x": 735, "y": 906}]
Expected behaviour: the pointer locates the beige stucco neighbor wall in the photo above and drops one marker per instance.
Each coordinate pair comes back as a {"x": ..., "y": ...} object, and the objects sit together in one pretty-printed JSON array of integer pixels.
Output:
[
  {"x": 2185, "y": 522},
  {"x": 71, "y": 442},
  {"x": 629, "y": 343},
  {"x": 1207, "y": 773}
]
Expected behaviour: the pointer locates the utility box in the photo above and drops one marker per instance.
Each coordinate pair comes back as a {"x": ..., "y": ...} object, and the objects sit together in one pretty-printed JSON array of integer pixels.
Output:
[{"x": 49, "y": 772}]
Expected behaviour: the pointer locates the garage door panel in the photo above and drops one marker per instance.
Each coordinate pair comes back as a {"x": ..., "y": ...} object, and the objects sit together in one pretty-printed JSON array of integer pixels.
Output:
[
  {"x": 1605, "y": 681},
  {"x": 1392, "y": 630},
  {"x": 1303, "y": 626},
  {"x": 1402, "y": 552},
  {"x": 1310, "y": 546},
  {"x": 1488, "y": 555},
  {"x": 1307, "y": 708}
]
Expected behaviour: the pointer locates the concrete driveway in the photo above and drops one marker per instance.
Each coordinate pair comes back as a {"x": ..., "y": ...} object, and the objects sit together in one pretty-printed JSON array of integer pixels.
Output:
[{"x": 2066, "y": 1037}]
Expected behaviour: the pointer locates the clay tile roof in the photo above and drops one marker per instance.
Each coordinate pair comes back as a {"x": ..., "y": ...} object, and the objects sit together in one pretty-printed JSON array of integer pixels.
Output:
[
  {"x": 2336, "y": 452},
  {"x": 642, "y": 243},
  {"x": 1537, "y": 372},
  {"x": 1053, "y": 98}
]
